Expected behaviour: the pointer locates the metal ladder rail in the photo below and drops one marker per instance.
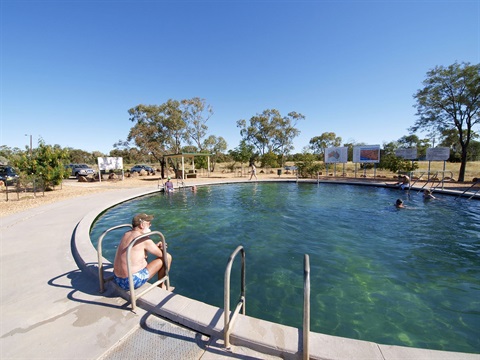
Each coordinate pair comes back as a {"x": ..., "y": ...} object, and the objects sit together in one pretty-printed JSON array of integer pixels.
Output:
[
  {"x": 437, "y": 179},
  {"x": 228, "y": 321},
  {"x": 411, "y": 175},
  {"x": 443, "y": 178},
  {"x": 102, "y": 280},
  {"x": 475, "y": 193},
  {"x": 160, "y": 184},
  {"x": 306, "y": 307},
  {"x": 430, "y": 179},
  {"x": 166, "y": 279}
]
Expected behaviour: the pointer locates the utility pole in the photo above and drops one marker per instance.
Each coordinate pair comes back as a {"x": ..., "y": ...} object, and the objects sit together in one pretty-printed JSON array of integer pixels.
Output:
[{"x": 30, "y": 144}]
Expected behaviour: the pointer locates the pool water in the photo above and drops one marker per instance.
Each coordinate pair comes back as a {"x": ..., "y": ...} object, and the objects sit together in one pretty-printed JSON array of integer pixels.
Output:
[{"x": 408, "y": 277}]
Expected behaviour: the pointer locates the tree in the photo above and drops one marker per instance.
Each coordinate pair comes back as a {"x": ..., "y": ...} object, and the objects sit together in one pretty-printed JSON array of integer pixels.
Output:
[
  {"x": 46, "y": 162},
  {"x": 215, "y": 146},
  {"x": 158, "y": 129},
  {"x": 413, "y": 141},
  {"x": 270, "y": 131},
  {"x": 450, "y": 99},
  {"x": 129, "y": 154},
  {"x": 390, "y": 161},
  {"x": 196, "y": 113},
  {"x": 449, "y": 138},
  {"x": 78, "y": 156},
  {"x": 318, "y": 144},
  {"x": 306, "y": 164},
  {"x": 243, "y": 153}
]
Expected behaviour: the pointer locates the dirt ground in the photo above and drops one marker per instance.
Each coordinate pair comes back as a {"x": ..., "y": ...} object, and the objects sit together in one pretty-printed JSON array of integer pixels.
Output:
[{"x": 71, "y": 188}]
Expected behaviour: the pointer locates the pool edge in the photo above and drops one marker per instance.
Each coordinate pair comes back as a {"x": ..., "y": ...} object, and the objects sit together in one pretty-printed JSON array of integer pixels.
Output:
[{"x": 257, "y": 334}]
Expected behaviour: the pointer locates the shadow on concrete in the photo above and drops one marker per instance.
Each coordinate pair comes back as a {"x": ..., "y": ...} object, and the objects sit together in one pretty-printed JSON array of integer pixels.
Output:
[{"x": 82, "y": 283}]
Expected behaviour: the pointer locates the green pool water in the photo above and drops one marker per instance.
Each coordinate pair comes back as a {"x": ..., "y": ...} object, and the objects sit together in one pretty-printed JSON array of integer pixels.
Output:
[{"x": 407, "y": 277}]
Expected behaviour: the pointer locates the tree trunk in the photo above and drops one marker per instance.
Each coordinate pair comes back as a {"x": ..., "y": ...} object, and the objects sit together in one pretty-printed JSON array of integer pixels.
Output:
[{"x": 463, "y": 164}]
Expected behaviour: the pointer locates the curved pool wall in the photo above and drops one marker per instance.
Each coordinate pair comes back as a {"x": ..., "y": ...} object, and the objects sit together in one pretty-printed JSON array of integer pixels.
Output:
[
  {"x": 266, "y": 336},
  {"x": 399, "y": 269}
]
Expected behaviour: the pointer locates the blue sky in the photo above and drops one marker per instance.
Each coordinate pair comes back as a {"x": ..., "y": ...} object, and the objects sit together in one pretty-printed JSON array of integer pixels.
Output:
[{"x": 70, "y": 70}]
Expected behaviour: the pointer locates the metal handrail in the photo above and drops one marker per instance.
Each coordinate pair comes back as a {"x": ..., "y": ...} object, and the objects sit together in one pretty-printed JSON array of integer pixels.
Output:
[
  {"x": 418, "y": 179},
  {"x": 433, "y": 179},
  {"x": 133, "y": 297},
  {"x": 306, "y": 307},
  {"x": 471, "y": 197},
  {"x": 226, "y": 298},
  {"x": 101, "y": 279}
]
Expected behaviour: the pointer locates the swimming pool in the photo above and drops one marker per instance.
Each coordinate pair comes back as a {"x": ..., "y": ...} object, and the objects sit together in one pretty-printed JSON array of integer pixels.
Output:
[{"x": 394, "y": 276}]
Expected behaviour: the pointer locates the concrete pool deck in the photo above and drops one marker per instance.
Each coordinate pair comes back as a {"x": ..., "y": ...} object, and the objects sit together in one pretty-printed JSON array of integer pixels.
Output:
[{"x": 51, "y": 306}]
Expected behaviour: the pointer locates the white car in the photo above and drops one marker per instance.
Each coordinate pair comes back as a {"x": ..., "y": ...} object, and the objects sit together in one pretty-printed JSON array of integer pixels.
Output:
[{"x": 81, "y": 170}]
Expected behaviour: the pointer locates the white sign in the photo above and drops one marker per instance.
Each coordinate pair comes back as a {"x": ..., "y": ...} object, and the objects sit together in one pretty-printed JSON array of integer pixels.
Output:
[
  {"x": 408, "y": 154},
  {"x": 110, "y": 163},
  {"x": 336, "y": 155},
  {"x": 438, "y": 154},
  {"x": 366, "y": 154}
]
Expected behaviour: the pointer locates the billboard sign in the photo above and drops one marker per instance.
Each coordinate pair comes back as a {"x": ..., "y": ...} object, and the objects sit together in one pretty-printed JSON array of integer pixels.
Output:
[
  {"x": 336, "y": 155},
  {"x": 366, "y": 154},
  {"x": 438, "y": 154},
  {"x": 407, "y": 154},
  {"x": 110, "y": 163}
]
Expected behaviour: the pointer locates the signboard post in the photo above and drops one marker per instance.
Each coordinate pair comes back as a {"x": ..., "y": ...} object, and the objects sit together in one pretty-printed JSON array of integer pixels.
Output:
[
  {"x": 336, "y": 155},
  {"x": 366, "y": 154},
  {"x": 438, "y": 154},
  {"x": 407, "y": 154}
]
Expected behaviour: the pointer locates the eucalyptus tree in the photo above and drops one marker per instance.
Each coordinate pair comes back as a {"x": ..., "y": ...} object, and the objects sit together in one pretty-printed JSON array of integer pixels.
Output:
[
  {"x": 215, "y": 146},
  {"x": 158, "y": 129},
  {"x": 318, "y": 144},
  {"x": 270, "y": 132},
  {"x": 196, "y": 113},
  {"x": 450, "y": 99},
  {"x": 413, "y": 141}
]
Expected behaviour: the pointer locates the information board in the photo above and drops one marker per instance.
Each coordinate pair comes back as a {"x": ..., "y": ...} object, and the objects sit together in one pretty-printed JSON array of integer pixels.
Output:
[
  {"x": 336, "y": 155},
  {"x": 110, "y": 163},
  {"x": 407, "y": 154},
  {"x": 366, "y": 154},
  {"x": 438, "y": 154}
]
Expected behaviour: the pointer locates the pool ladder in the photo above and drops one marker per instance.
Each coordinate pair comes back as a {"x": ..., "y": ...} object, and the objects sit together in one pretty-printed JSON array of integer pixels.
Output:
[
  {"x": 229, "y": 319},
  {"x": 471, "y": 187},
  {"x": 133, "y": 293}
]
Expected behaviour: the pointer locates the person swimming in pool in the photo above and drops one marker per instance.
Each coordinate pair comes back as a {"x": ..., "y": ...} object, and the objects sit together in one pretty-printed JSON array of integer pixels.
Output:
[
  {"x": 427, "y": 194},
  {"x": 399, "y": 204},
  {"x": 141, "y": 269}
]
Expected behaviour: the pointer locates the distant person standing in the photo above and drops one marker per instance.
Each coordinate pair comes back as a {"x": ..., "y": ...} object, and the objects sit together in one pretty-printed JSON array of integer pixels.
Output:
[
  {"x": 169, "y": 185},
  {"x": 254, "y": 172}
]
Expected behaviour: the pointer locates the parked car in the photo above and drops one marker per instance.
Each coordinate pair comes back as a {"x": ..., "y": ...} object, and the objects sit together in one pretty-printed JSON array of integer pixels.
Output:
[
  {"x": 81, "y": 170},
  {"x": 8, "y": 175},
  {"x": 138, "y": 168}
]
